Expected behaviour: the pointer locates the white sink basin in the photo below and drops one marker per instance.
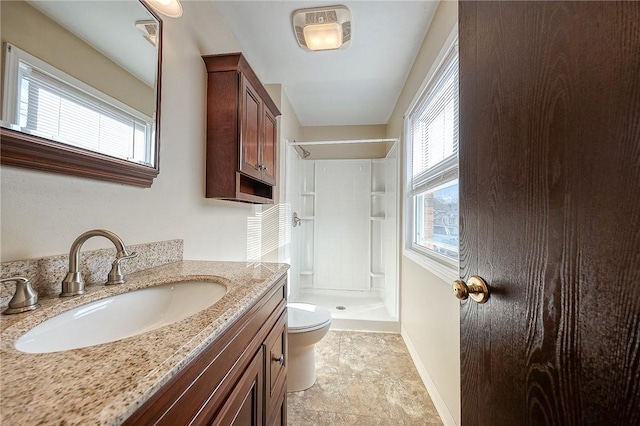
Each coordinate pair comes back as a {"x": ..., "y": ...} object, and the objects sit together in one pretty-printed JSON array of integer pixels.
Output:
[{"x": 120, "y": 316}]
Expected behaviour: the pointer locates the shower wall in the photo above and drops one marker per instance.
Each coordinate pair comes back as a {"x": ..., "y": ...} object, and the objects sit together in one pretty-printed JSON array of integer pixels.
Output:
[
  {"x": 294, "y": 177},
  {"x": 390, "y": 240},
  {"x": 342, "y": 228}
]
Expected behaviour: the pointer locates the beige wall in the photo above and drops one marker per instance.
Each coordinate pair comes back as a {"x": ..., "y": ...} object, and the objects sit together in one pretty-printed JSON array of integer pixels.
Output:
[
  {"x": 30, "y": 30},
  {"x": 42, "y": 213},
  {"x": 429, "y": 313},
  {"x": 290, "y": 130},
  {"x": 336, "y": 133},
  {"x": 341, "y": 133}
]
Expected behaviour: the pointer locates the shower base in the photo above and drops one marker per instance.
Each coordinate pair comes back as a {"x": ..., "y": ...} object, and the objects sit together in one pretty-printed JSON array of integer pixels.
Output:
[{"x": 363, "y": 311}]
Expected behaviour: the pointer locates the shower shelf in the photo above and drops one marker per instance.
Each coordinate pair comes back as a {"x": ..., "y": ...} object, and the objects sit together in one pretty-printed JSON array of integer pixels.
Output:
[
  {"x": 378, "y": 192},
  {"x": 307, "y": 217},
  {"x": 377, "y": 274},
  {"x": 308, "y": 193},
  {"x": 306, "y": 272},
  {"x": 377, "y": 218}
]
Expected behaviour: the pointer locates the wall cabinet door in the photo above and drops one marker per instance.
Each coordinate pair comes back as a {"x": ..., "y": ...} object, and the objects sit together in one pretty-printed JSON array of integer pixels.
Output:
[
  {"x": 251, "y": 130},
  {"x": 258, "y": 138},
  {"x": 269, "y": 147}
]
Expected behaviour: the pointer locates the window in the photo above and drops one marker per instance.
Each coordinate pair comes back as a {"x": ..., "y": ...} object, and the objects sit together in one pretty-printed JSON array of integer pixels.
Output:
[
  {"x": 56, "y": 106},
  {"x": 431, "y": 228}
]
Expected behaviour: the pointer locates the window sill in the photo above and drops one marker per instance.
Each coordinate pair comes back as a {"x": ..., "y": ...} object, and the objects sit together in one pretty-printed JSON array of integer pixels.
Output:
[{"x": 448, "y": 273}]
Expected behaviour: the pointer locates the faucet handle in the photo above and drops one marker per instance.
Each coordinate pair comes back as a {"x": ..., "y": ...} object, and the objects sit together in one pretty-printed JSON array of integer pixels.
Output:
[
  {"x": 24, "y": 299},
  {"x": 115, "y": 275}
]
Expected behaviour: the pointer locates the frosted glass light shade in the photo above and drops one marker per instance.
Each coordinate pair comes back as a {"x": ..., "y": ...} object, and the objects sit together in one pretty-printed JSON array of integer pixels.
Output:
[
  {"x": 323, "y": 36},
  {"x": 322, "y": 28},
  {"x": 170, "y": 8}
]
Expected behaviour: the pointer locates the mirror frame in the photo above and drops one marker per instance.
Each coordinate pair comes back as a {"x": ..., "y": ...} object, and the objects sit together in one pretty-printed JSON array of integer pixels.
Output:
[{"x": 37, "y": 153}]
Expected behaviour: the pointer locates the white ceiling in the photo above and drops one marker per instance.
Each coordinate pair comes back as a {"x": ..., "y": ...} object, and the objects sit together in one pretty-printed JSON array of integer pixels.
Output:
[
  {"x": 108, "y": 26},
  {"x": 355, "y": 86}
]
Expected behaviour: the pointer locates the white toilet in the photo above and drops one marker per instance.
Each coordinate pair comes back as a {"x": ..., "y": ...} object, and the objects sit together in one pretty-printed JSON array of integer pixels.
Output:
[{"x": 308, "y": 324}]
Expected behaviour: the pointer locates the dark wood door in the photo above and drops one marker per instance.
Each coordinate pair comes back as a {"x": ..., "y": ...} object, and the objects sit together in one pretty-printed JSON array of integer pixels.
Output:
[{"x": 550, "y": 212}]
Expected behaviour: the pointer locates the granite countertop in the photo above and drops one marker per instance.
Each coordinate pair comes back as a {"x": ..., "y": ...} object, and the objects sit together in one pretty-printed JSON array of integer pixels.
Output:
[{"x": 105, "y": 384}]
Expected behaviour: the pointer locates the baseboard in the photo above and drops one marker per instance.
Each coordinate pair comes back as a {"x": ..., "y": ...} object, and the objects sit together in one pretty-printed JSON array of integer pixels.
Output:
[{"x": 441, "y": 406}]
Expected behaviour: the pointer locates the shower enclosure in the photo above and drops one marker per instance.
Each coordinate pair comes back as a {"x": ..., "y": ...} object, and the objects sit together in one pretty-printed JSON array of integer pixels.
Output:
[{"x": 344, "y": 237}]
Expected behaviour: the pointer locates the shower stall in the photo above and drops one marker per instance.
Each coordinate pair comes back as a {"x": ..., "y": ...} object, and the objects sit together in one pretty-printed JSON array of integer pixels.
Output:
[{"x": 344, "y": 236}]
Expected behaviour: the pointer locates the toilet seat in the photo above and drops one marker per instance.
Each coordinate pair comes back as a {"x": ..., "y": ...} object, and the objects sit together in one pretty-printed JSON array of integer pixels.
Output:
[{"x": 304, "y": 317}]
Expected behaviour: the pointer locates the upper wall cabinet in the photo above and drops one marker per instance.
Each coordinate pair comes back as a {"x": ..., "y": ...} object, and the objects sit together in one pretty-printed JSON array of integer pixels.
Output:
[{"x": 242, "y": 132}]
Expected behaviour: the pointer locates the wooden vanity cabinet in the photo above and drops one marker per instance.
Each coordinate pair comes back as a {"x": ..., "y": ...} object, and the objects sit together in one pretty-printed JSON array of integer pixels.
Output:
[
  {"x": 239, "y": 379},
  {"x": 242, "y": 132}
]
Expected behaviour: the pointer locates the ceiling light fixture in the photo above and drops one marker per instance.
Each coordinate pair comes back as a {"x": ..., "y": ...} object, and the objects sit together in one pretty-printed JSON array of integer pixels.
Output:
[
  {"x": 323, "y": 28},
  {"x": 170, "y": 8}
]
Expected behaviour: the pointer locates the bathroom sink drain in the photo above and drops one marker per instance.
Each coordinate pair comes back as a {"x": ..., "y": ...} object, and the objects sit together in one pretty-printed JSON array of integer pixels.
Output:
[{"x": 341, "y": 308}]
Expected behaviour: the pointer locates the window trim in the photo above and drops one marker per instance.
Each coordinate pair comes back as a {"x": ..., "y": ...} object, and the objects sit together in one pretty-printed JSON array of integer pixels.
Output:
[{"x": 443, "y": 267}]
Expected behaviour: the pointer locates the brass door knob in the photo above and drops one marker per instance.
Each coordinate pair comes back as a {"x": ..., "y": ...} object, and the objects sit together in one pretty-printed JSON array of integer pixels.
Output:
[{"x": 476, "y": 288}]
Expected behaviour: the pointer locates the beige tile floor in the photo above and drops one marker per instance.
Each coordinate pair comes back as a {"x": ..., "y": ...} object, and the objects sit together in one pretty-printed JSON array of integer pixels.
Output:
[{"x": 363, "y": 379}]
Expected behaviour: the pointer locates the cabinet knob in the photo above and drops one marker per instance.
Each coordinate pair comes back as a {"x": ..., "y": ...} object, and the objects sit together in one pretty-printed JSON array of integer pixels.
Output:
[{"x": 278, "y": 359}]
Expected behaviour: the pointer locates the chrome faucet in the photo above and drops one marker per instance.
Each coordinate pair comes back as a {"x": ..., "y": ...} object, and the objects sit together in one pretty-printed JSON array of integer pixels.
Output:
[{"x": 73, "y": 284}]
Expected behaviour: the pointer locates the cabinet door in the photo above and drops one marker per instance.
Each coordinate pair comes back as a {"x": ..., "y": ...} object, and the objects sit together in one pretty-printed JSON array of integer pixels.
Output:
[
  {"x": 250, "y": 131},
  {"x": 279, "y": 414},
  {"x": 243, "y": 407},
  {"x": 269, "y": 147},
  {"x": 276, "y": 366}
]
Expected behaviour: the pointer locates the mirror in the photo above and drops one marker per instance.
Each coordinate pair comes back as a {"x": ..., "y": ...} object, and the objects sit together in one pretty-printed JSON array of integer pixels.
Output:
[{"x": 80, "y": 88}]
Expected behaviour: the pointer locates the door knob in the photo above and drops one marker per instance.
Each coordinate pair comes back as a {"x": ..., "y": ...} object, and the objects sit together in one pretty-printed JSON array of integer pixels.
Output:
[{"x": 476, "y": 288}]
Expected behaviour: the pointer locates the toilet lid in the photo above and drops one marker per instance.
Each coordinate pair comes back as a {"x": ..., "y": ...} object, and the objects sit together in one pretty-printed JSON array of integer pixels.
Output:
[{"x": 306, "y": 317}]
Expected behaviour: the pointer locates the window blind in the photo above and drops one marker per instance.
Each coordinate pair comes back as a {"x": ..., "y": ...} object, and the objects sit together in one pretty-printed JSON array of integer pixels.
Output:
[
  {"x": 51, "y": 108},
  {"x": 433, "y": 130}
]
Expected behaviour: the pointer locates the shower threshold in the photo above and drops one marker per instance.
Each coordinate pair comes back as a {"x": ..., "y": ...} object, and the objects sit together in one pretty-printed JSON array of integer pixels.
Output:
[{"x": 351, "y": 310}]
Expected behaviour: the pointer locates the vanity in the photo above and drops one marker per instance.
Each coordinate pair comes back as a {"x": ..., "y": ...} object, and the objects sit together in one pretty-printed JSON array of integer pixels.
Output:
[{"x": 227, "y": 364}]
